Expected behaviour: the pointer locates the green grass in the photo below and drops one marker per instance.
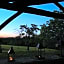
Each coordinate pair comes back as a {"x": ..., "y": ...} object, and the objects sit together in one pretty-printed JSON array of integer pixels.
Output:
[{"x": 21, "y": 51}]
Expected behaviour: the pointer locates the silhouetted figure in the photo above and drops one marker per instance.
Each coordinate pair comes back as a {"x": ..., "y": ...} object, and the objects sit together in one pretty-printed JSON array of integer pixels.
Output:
[
  {"x": 0, "y": 49},
  {"x": 0, "y": 46},
  {"x": 11, "y": 55},
  {"x": 11, "y": 51},
  {"x": 28, "y": 47},
  {"x": 39, "y": 46}
]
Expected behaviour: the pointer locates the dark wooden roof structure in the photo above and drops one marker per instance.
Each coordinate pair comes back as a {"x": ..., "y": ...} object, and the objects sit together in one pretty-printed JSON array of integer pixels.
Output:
[{"x": 22, "y": 6}]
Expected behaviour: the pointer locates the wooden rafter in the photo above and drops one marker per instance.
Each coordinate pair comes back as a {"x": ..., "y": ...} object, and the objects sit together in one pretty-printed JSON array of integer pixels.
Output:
[{"x": 43, "y": 13}]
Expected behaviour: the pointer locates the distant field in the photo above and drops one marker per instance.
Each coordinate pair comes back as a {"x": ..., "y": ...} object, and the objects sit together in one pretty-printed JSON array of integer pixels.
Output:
[{"x": 21, "y": 51}]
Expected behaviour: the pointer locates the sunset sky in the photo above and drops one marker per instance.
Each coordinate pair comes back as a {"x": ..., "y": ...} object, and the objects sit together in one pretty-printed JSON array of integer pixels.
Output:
[{"x": 12, "y": 29}]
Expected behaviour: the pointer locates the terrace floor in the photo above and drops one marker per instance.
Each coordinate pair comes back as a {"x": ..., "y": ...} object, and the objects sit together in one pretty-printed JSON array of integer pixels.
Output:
[{"x": 24, "y": 60}]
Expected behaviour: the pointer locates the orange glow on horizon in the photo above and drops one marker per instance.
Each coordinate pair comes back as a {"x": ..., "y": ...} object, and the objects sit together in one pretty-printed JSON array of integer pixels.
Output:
[{"x": 4, "y": 35}]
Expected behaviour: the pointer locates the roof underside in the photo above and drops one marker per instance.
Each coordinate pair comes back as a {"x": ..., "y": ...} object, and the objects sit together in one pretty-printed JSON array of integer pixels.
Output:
[
  {"x": 19, "y": 4},
  {"x": 22, "y": 6}
]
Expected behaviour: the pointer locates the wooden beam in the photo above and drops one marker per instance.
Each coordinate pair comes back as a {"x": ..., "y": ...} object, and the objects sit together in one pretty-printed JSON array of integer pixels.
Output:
[
  {"x": 9, "y": 20},
  {"x": 21, "y": 3},
  {"x": 60, "y": 6},
  {"x": 43, "y": 13},
  {"x": 38, "y": 2}
]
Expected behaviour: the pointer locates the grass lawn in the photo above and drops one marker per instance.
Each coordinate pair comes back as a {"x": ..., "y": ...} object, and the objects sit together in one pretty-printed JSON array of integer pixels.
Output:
[{"x": 21, "y": 51}]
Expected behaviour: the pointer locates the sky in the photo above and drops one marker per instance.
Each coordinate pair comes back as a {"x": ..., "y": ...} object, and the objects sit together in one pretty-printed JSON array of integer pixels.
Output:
[{"x": 12, "y": 29}]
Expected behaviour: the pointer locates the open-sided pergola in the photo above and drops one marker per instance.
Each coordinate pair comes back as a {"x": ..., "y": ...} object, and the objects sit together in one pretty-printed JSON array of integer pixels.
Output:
[{"x": 22, "y": 6}]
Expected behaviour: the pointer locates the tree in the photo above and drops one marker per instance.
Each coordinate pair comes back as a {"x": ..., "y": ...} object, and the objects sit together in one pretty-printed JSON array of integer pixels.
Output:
[
  {"x": 30, "y": 33},
  {"x": 53, "y": 31},
  {"x": 43, "y": 34}
]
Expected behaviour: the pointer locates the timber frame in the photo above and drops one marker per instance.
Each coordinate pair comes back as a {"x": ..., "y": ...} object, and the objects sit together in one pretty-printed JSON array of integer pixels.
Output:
[{"x": 21, "y": 6}]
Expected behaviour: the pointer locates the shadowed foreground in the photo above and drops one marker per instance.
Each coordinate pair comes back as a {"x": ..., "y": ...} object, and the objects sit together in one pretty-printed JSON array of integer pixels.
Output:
[{"x": 56, "y": 61}]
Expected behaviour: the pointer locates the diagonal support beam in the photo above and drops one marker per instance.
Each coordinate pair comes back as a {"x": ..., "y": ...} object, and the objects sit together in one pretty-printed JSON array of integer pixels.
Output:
[
  {"x": 9, "y": 20},
  {"x": 43, "y": 13},
  {"x": 60, "y": 6}
]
